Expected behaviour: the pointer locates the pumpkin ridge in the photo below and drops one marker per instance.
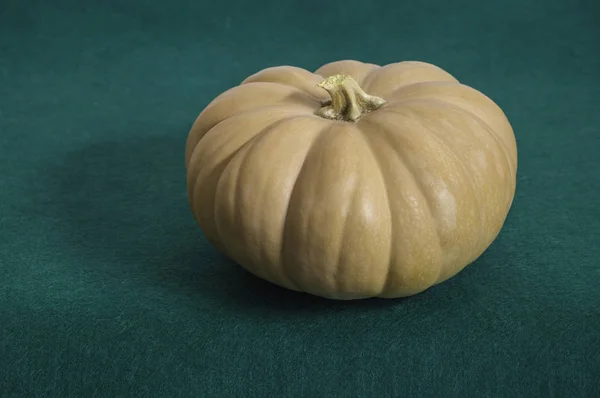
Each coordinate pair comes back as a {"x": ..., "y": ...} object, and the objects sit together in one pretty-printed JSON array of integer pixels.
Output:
[
  {"x": 284, "y": 108},
  {"x": 286, "y": 274},
  {"x": 344, "y": 230},
  {"x": 391, "y": 97},
  {"x": 486, "y": 127},
  {"x": 248, "y": 147},
  {"x": 259, "y": 108},
  {"x": 294, "y": 97},
  {"x": 466, "y": 175},
  {"x": 222, "y": 164},
  {"x": 391, "y": 256},
  {"x": 416, "y": 182},
  {"x": 293, "y": 192},
  {"x": 492, "y": 132},
  {"x": 194, "y": 169},
  {"x": 264, "y": 273},
  {"x": 404, "y": 68},
  {"x": 219, "y": 170},
  {"x": 448, "y": 102},
  {"x": 275, "y": 75},
  {"x": 398, "y": 90}
]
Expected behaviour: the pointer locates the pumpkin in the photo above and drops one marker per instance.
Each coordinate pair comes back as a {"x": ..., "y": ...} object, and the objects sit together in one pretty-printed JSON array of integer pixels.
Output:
[{"x": 354, "y": 181}]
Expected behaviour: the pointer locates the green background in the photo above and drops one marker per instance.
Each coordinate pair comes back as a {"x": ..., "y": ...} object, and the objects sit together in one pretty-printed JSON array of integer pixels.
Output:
[{"x": 108, "y": 287}]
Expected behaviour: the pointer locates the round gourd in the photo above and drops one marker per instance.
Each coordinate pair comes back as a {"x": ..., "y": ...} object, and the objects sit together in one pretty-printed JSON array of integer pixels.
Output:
[{"x": 354, "y": 181}]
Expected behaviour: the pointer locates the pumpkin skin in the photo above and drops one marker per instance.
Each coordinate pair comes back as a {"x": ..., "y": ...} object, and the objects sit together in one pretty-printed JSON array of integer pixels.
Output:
[{"x": 388, "y": 205}]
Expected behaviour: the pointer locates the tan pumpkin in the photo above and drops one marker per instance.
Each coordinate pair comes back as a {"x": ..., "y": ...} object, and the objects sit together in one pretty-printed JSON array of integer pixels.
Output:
[{"x": 353, "y": 181}]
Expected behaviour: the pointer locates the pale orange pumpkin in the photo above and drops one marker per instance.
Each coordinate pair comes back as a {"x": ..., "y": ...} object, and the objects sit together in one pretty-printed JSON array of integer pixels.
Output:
[{"x": 353, "y": 181}]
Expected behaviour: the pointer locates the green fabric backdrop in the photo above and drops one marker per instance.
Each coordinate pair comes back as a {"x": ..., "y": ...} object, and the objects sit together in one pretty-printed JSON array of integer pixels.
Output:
[{"x": 108, "y": 288}]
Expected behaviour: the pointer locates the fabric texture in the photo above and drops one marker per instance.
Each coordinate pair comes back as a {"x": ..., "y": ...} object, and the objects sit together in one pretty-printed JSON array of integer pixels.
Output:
[{"x": 109, "y": 288}]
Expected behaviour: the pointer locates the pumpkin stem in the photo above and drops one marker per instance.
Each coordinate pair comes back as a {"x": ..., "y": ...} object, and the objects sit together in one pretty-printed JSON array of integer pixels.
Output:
[{"x": 348, "y": 101}]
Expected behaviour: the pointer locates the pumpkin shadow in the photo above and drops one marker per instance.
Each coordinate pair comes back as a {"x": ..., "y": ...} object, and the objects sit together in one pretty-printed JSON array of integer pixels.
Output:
[{"x": 124, "y": 212}]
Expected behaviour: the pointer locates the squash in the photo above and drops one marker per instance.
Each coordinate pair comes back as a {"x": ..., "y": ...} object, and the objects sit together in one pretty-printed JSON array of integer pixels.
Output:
[{"x": 354, "y": 181}]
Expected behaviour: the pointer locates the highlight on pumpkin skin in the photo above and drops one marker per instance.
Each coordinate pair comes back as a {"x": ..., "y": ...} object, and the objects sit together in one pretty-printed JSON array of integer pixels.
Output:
[{"x": 348, "y": 101}]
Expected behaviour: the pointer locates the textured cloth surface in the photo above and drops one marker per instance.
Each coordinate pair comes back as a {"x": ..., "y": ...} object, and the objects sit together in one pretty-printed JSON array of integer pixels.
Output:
[{"x": 108, "y": 287}]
